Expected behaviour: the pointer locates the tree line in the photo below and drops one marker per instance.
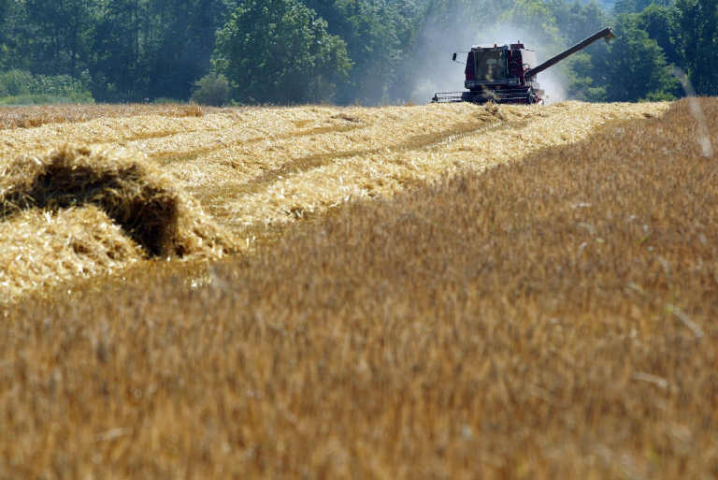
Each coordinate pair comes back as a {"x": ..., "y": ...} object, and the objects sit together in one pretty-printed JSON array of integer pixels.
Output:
[{"x": 339, "y": 51}]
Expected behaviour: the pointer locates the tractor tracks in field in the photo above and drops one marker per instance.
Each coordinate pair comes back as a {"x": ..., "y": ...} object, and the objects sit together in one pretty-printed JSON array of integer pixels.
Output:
[
  {"x": 166, "y": 158},
  {"x": 421, "y": 142}
]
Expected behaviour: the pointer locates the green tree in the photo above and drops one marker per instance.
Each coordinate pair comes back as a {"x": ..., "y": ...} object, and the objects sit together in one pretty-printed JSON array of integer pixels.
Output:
[
  {"x": 637, "y": 6},
  {"x": 6, "y": 34},
  {"x": 576, "y": 21},
  {"x": 633, "y": 68},
  {"x": 16, "y": 82},
  {"x": 60, "y": 37},
  {"x": 698, "y": 30},
  {"x": 535, "y": 16},
  {"x": 212, "y": 89},
  {"x": 182, "y": 43},
  {"x": 4, "y": 7},
  {"x": 660, "y": 23},
  {"x": 124, "y": 38},
  {"x": 20, "y": 37},
  {"x": 377, "y": 34},
  {"x": 279, "y": 51},
  {"x": 375, "y": 47}
]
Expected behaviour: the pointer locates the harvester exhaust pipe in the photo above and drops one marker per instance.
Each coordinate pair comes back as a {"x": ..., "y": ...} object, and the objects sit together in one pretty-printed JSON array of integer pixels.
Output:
[{"x": 607, "y": 34}]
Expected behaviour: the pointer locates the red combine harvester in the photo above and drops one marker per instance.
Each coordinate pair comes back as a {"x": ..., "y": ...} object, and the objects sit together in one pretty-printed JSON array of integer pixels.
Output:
[{"x": 507, "y": 73}]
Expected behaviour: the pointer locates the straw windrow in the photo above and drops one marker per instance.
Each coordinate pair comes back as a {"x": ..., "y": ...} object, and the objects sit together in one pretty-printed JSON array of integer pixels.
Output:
[{"x": 128, "y": 191}]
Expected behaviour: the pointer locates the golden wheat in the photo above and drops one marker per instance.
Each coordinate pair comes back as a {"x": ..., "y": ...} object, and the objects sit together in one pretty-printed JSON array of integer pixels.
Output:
[
  {"x": 258, "y": 169},
  {"x": 549, "y": 318}
]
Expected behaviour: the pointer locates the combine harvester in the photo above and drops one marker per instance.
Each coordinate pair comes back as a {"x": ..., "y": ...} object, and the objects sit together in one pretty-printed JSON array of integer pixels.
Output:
[{"x": 507, "y": 73}]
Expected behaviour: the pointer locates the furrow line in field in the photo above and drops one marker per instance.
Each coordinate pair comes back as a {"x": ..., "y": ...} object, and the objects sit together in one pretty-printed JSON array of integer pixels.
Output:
[
  {"x": 309, "y": 162},
  {"x": 169, "y": 157},
  {"x": 381, "y": 173}
]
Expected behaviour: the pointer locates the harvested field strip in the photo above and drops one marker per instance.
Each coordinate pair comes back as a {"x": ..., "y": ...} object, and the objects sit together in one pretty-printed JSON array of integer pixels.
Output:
[
  {"x": 258, "y": 170},
  {"x": 130, "y": 193},
  {"x": 303, "y": 164},
  {"x": 152, "y": 135},
  {"x": 276, "y": 143},
  {"x": 547, "y": 319},
  {"x": 384, "y": 172},
  {"x": 167, "y": 136},
  {"x": 168, "y": 157},
  {"x": 229, "y": 174},
  {"x": 210, "y": 130},
  {"x": 35, "y": 116}
]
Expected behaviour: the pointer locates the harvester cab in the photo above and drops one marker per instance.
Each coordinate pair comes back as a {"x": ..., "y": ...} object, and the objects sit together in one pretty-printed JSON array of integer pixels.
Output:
[{"x": 507, "y": 73}]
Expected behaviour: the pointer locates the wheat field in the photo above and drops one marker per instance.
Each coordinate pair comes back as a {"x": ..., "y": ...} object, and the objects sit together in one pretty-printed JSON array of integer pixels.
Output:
[
  {"x": 250, "y": 171},
  {"x": 431, "y": 292}
]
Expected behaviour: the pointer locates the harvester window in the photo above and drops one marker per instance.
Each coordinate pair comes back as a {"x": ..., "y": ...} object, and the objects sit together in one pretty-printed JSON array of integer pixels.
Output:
[
  {"x": 491, "y": 65},
  {"x": 529, "y": 57}
]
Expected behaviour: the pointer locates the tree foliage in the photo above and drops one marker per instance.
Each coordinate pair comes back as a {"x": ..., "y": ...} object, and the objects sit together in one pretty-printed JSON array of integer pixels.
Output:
[
  {"x": 280, "y": 52},
  {"x": 347, "y": 51},
  {"x": 632, "y": 68},
  {"x": 22, "y": 87},
  {"x": 213, "y": 90},
  {"x": 636, "y": 66},
  {"x": 698, "y": 42}
]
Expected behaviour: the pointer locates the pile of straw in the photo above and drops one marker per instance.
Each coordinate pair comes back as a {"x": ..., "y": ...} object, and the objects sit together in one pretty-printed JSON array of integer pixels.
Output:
[
  {"x": 81, "y": 212},
  {"x": 42, "y": 249}
]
